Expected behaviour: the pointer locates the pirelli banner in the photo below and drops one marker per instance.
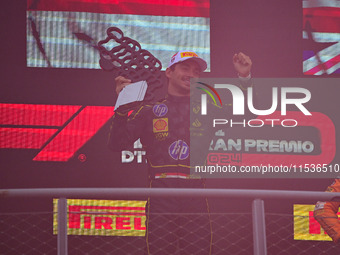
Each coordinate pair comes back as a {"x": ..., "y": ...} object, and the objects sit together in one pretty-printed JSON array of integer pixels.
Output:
[
  {"x": 103, "y": 217},
  {"x": 305, "y": 226}
]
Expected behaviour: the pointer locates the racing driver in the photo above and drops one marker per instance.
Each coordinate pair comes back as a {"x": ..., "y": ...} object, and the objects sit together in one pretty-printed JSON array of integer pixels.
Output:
[{"x": 173, "y": 224}]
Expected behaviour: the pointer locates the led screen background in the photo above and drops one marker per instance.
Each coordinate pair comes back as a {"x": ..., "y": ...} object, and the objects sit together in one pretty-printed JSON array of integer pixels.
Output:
[
  {"x": 161, "y": 27},
  {"x": 321, "y": 36},
  {"x": 268, "y": 31},
  {"x": 71, "y": 106}
]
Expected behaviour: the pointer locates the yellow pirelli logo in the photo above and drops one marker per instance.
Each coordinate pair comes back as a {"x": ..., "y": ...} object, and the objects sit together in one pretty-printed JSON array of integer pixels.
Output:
[
  {"x": 103, "y": 217},
  {"x": 305, "y": 225},
  {"x": 188, "y": 54}
]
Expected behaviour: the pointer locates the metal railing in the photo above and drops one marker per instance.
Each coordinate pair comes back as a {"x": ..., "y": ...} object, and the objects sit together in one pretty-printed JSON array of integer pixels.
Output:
[{"x": 258, "y": 196}]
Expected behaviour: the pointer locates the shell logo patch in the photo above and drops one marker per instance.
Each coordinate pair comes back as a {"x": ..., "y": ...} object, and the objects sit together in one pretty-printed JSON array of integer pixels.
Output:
[{"x": 160, "y": 125}]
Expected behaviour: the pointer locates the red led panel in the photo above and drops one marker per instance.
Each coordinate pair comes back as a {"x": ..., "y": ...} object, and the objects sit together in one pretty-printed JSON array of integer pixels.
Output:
[
  {"x": 325, "y": 19},
  {"x": 36, "y": 115},
  {"x": 24, "y": 138},
  {"x": 76, "y": 134},
  {"x": 188, "y": 8}
]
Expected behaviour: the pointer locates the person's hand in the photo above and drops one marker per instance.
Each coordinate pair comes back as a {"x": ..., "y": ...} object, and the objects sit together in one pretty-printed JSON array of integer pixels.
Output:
[
  {"x": 242, "y": 64},
  {"x": 121, "y": 82}
]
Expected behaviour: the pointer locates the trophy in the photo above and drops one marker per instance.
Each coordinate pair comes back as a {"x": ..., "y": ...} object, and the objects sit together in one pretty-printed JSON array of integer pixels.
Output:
[{"x": 125, "y": 57}]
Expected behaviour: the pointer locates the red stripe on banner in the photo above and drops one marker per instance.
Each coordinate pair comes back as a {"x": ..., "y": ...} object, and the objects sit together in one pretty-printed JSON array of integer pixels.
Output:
[
  {"x": 323, "y": 19},
  {"x": 187, "y": 8},
  {"x": 327, "y": 65},
  {"x": 24, "y": 138},
  {"x": 111, "y": 213},
  {"x": 36, "y": 115},
  {"x": 107, "y": 213},
  {"x": 99, "y": 207},
  {"x": 76, "y": 134}
]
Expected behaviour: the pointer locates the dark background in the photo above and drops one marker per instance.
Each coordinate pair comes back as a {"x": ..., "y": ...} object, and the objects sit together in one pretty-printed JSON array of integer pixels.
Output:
[{"x": 268, "y": 31}]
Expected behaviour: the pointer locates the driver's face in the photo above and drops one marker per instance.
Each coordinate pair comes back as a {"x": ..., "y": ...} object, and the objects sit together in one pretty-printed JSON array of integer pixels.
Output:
[{"x": 179, "y": 77}]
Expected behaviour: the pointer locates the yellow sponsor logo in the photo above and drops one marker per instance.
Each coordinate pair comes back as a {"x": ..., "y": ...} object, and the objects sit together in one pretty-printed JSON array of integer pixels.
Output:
[
  {"x": 188, "y": 54},
  {"x": 196, "y": 109},
  {"x": 197, "y": 123},
  {"x": 103, "y": 217},
  {"x": 305, "y": 225},
  {"x": 160, "y": 125},
  {"x": 161, "y": 136}
]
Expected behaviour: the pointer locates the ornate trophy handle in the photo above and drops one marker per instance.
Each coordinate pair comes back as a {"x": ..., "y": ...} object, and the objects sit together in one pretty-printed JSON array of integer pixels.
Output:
[{"x": 125, "y": 57}]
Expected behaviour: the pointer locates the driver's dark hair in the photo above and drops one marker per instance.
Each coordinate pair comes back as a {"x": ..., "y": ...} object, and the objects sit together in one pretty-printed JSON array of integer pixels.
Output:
[{"x": 173, "y": 67}]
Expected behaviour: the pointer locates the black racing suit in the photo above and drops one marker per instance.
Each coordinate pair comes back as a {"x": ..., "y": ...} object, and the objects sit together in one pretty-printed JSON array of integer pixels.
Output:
[{"x": 164, "y": 129}]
